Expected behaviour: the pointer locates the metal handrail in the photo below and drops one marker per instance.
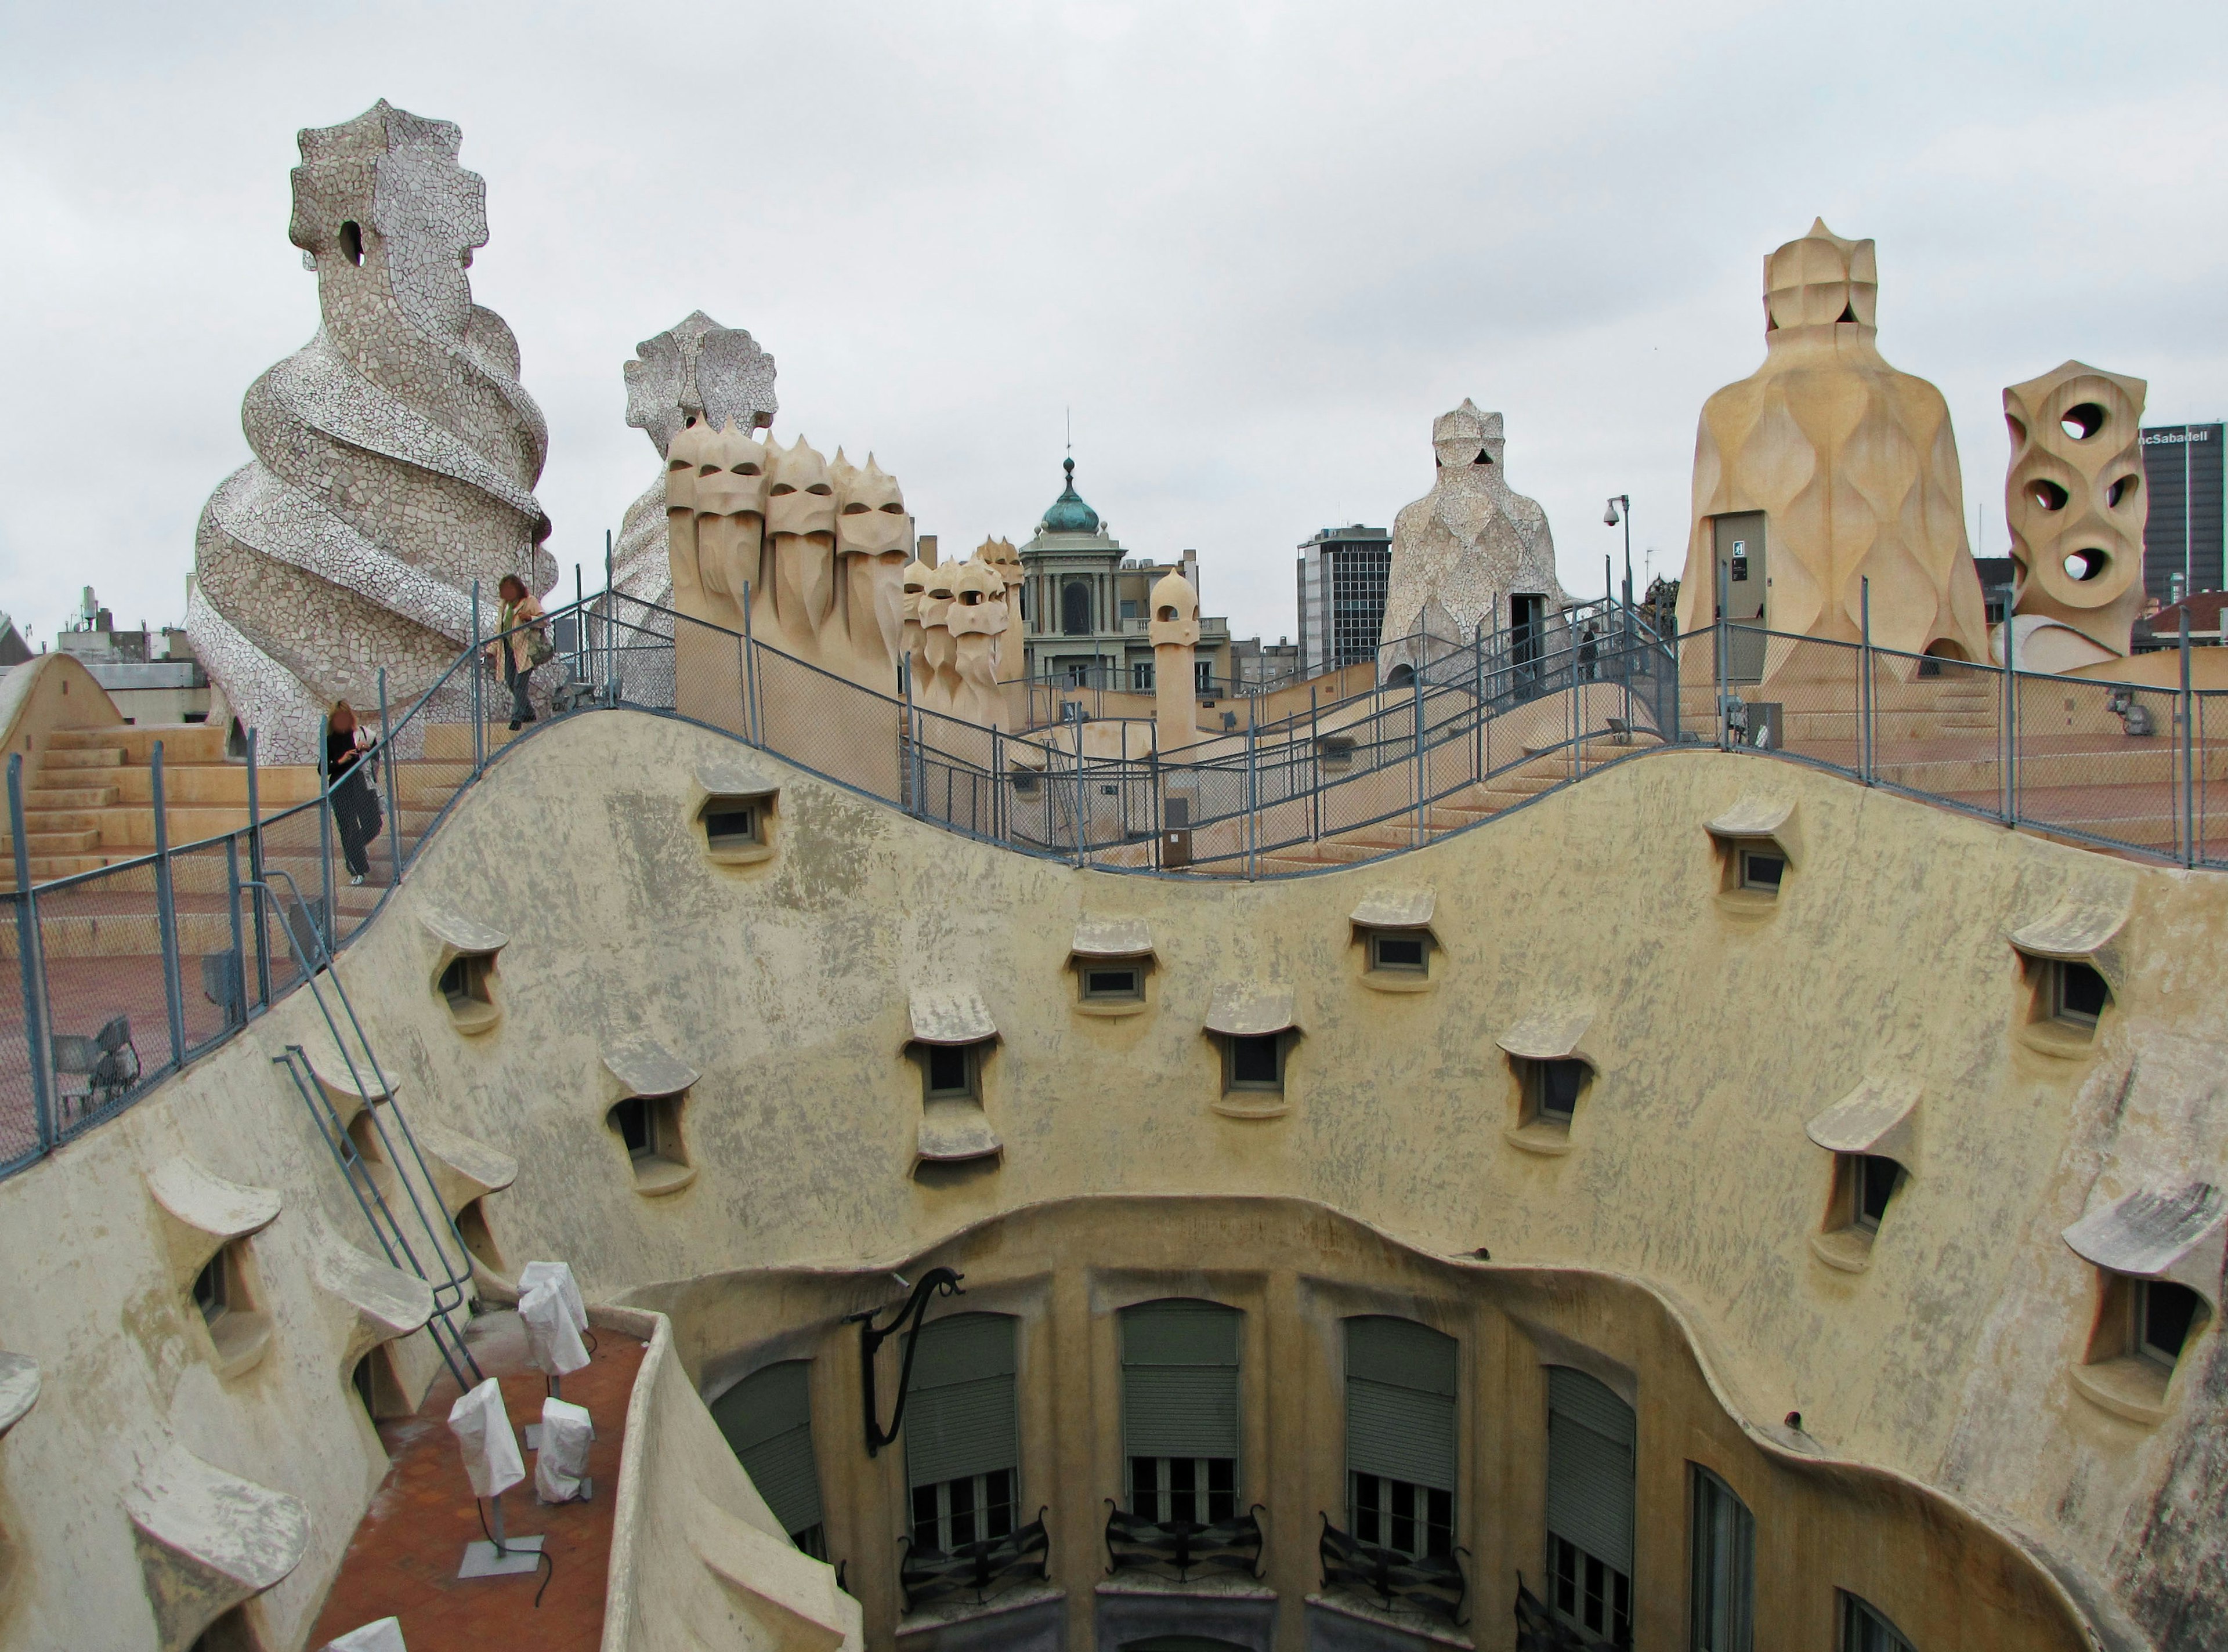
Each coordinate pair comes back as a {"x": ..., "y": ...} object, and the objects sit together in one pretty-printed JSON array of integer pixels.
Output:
[
  {"x": 451, "y": 1290},
  {"x": 1329, "y": 782}
]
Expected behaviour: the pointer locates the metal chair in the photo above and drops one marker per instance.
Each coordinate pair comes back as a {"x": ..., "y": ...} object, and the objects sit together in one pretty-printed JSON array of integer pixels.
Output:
[{"x": 108, "y": 1059}]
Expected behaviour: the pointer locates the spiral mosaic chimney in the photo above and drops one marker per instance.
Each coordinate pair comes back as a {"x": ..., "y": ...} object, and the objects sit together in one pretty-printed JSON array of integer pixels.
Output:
[{"x": 395, "y": 452}]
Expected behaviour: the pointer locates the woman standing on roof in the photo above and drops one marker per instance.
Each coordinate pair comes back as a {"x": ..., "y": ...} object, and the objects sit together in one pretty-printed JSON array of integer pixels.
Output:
[
  {"x": 354, "y": 804},
  {"x": 521, "y": 643}
]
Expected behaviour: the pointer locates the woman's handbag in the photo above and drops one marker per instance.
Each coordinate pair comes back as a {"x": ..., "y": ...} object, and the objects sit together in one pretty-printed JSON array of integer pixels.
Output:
[{"x": 539, "y": 649}]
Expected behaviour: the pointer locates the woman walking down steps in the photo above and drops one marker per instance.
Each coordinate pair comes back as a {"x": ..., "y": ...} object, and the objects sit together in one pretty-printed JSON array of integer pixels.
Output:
[
  {"x": 354, "y": 804},
  {"x": 524, "y": 643}
]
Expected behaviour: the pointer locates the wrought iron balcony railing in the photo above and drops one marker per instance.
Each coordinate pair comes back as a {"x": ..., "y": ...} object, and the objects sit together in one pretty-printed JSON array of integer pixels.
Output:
[
  {"x": 1433, "y": 1585},
  {"x": 981, "y": 1570},
  {"x": 1183, "y": 1547}
]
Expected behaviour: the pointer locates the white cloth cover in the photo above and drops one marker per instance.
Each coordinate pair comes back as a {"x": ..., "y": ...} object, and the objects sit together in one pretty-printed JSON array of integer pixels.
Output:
[
  {"x": 534, "y": 1272},
  {"x": 562, "y": 1462},
  {"x": 485, "y": 1437},
  {"x": 385, "y": 1635},
  {"x": 552, "y": 1340}
]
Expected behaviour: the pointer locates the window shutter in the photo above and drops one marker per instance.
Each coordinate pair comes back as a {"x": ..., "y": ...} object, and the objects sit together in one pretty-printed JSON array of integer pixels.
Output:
[
  {"x": 1590, "y": 1467},
  {"x": 959, "y": 1412},
  {"x": 767, "y": 1419},
  {"x": 1400, "y": 1401},
  {"x": 1180, "y": 1379}
]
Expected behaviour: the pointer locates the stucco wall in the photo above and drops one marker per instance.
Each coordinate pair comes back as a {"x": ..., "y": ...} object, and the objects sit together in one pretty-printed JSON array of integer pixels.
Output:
[{"x": 1716, "y": 1035}]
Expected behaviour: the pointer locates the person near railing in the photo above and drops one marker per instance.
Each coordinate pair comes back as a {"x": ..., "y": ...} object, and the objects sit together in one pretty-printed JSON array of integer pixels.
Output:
[
  {"x": 354, "y": 804},
  {"x": 521, "y": 643},
  {"x": 1589, "y": 651}
]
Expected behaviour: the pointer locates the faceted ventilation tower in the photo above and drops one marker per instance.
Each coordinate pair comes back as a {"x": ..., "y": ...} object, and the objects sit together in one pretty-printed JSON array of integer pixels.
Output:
[
  {"x": 395, "y": 453},
  {"x": 696, "y": 369},
  {"x": 1471, "y": 552},
  {"x": 1825, "y": 468}
]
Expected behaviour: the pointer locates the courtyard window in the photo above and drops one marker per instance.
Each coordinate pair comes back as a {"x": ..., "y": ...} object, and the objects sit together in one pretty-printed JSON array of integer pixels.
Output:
[
  {"x": 737, "y": 826},
  {"x": 2078, "y": 994},
  {"x": 767, "y": 1420},
  {"x": 1400, "y": 1434},
  {"x": 1180, "y": 1410},
  {"x": 467, "y": 988},
  {"x": 1757, "y": 847},
  {"x": 962, "y": 1441},
  {"x": 223, "y": 1295},
  {"x": 1865, "y": 1628},
  {"x": 1254, "y": 1027},
  {"x": 1256, "y": 1063},
  {"x": 648, "y": 1127},
  {"x": 1113, "y": 982},
  {"x": 1591, "y": 1505},
  {"x": 1761, "y": 870},
  {"x": 1721, "y": 1535},
  {"x": 2156, "y": 1254}
]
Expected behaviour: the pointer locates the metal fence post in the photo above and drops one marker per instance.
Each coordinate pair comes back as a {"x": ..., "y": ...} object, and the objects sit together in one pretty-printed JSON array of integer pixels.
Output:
[
  {"x": 750, "y": 673},
  {"x": 1082, "y": 798},
  {"x": 1160, "y": 813},
  {"x": 1252, "y": 803},
  {"x": 912, "y": 737},
  {"x": 1864, "y": 687},
  {"x": 1477, "y": 695},
  {"x": 1315, "y": 766},
  {"x": 255, "y": 881},
  {"x": 2011, "y": 722},
  {"x": 166, "y": 914},
  {"x": 2188, "y": 753},
  {"x": 37, "y": 1042},
  {"x": 325, "y": 838},
  {"x": 394, "y": 798},
  {"x": 479, "y": 671},
  {"x": 1418, "y": 835},
  {"x": 238, "y": 1005},
  {"x": 1718, "y": 710}
]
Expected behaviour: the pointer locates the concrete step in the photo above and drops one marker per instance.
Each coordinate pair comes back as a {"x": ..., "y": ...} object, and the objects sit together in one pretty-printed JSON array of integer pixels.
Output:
[
  {"x": 183, "y": 742},
  {"x": 67, "y": 797},
  {"x": 71, "y": 759},
  {"x": 453, "y": 741}
]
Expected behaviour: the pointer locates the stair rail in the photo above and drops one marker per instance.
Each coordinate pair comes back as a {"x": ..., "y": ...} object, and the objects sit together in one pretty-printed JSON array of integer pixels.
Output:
[{"x": 451, "y": 1289}]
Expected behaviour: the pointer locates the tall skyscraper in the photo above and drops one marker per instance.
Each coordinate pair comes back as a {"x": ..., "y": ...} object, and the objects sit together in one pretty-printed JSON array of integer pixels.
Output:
[
  {"x": 1342, "y": 575},
  {"x": 2182, "y": 472}
]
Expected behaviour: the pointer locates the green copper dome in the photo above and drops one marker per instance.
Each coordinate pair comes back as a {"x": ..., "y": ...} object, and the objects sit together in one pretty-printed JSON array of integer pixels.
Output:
[{"x": 1069, "y": 514}]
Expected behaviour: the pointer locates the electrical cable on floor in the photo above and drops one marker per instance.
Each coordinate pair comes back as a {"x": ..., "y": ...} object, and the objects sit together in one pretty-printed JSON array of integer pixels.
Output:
[{"x": 541, "y": 1554}]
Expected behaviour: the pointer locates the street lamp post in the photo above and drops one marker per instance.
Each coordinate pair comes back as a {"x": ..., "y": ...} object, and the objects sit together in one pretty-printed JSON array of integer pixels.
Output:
[{"x": 1620, "y": 510}]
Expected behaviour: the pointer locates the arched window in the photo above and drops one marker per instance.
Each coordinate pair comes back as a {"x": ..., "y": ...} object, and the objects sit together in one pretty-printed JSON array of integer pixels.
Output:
[
  {"x": 963, "y": 1444},
  {"x": 1180, "y": 1409},
  {"x": 767, "y": 1419},
  {"x": 1400, "y": 1435},
  {"x": 1590, "y": 1435},
  {"x": 1075, "y": 608}
]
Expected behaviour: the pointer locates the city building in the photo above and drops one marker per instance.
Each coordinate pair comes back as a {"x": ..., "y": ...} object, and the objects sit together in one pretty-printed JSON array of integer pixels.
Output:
[
  {"x": 1255, "y": 664},
  {"x": 2182, "y": 534},
  {"x": 1342, "y": 576},
  {"x": 1085, "y": 605},
  {"x": 152, "y": 675}
]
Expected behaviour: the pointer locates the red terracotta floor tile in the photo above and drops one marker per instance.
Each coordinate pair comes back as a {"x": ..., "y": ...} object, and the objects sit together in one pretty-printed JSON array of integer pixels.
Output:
[{"x": 402, "y": 1561}]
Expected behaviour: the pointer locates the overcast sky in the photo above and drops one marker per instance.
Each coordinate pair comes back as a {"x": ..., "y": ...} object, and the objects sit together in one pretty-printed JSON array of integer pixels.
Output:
[{"x": 1255, "y": 247}]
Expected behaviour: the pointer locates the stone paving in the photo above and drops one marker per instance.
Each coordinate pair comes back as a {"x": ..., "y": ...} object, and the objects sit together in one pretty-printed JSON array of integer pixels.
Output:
[{"x": 402, "y": 1562}]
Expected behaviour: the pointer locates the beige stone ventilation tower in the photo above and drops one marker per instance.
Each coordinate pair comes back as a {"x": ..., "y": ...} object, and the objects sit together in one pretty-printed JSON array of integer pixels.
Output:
[
  {"x": 1822, "y": 469},
  {"x": 2075, "y": 501},
  {"x": 1175, "y": 632}
]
